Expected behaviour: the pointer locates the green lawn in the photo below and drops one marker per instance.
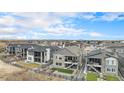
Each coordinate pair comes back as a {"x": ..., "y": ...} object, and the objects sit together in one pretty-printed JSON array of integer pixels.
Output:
[
  {"x": 91, "y": 76},
  {"x": 111, "y": 78},
  {"x": 63, "y": 70}
]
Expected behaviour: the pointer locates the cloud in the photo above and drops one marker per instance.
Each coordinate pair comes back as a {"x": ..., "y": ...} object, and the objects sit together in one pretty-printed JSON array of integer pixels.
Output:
[
  {"x": 8, "y": 37},
  {"x": 67, "y": 14},
  {"x": 7, "y": 20},
  {"x": 55, "y": 24},
  {"x": 8, "y": 30},
  {"x": 61, "y": 29},
  {"x": 111, "y": 16},
  {"x": 102, "y": 16},
  {"x": 95, "y": 34},
  {"x": 88, "y": 15}
]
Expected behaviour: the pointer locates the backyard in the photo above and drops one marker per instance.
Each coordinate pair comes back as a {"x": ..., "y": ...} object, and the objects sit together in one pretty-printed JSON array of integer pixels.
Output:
[
  {"x": 111, "y": 78},
  {"x": 91, "y": 76},
  {"x": 63, "y": 70}
]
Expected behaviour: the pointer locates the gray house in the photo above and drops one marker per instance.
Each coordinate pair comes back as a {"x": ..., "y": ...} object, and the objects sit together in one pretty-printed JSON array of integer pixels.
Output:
[
  {"x": 102, "y": 61},
  {"x": 32, "y": 52},
  {"x": 41, "y": 54},
  {"x": 19, "y": 50},
  {"x": 120, "y": 50},
  {"x": 68, "y": 57}
]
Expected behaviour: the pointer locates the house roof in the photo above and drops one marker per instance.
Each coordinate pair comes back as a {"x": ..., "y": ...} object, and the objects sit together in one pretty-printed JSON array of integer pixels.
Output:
[
  {"x": 39, "y": 48},
  {"x": 34, "y": 47},
  {"x": 69, "y": 51},
  {"x": 22, "y": 45},
  {"x": 117, "y": 46},
  {"x": 100, "y": 53}
]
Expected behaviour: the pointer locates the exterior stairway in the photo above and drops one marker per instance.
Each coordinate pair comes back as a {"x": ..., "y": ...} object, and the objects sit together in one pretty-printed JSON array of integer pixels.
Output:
[
  {"x": 94, "y": 69},
  {"x": 80, "y": 74},
  {"x": 71, "y": 65}
]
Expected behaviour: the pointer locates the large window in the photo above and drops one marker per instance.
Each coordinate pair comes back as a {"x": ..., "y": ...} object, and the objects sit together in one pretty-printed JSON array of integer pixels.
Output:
[
  {"x": 37, "y": 54},
  {"x": 58, "y": 64},
  {"x": 37, "y": 60},
  {"x": 110, "y": 62},
  {"x": 113, "y": 70},
  {"x": 68, "y": 58}
]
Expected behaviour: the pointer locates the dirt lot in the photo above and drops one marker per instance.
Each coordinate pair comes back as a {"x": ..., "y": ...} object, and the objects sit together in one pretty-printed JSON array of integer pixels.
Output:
[
  {"x": 6, "y": 69},
  {"x": 12, "y": 73},
  {"x": 2, "y": 44}
]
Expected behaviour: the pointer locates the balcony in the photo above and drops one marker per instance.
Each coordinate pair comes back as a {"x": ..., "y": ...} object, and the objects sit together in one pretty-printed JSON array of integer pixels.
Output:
[
  {"x": 94, "y": 64},
  {"x": 71, "y": 62}
]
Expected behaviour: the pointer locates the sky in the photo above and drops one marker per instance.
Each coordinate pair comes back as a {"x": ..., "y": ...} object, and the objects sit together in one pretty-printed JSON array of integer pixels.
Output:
[{"x": 62, "y": 25}]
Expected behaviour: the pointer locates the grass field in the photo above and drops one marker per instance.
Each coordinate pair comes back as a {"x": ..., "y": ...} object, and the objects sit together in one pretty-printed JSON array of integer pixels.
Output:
[
  {"x": 67, "y": 71},
  {"x": 111, "y": 78},
  {"x": 91, "y": 76}
]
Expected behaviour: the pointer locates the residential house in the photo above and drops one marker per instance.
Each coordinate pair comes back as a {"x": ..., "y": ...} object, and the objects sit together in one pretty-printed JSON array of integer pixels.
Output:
[
  {"x": 41, "y": 54},
  {"x": 19, "y": 50},
  {"x": 32, "y": 52},
  {"x": 68, "y": 57},
  {"x": 102, "y": 61},
  {"x": 120, "y": 50}
]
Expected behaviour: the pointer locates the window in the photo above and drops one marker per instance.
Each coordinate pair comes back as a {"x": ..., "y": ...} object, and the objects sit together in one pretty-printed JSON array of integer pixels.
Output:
[
  {"x": 113, "y": 70},
  {"x": 60, "y": 64},
  {"x": 56, "y": 63},
  {"x": 43, "y": 56},
  {"x": 37, "y": 60},
  {"x": 108, "y": 69},
  {"x": 29, "y": 58},
  {"x": 66, "y": 58},
  {"x": 37, "y": 54},
  {"x": 60, "y": 58},
  {"x": 69, "y": 58}
]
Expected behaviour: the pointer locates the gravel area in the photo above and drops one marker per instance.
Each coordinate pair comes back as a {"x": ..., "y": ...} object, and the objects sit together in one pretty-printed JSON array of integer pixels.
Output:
[
  {"x": 12, "y": 73},
  {"x": 6, "y": 69}
]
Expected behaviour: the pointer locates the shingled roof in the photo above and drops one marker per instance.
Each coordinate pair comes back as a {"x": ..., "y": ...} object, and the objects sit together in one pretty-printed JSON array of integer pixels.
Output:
[
  {"x": 69, "y": 51},
  {"x": 100, "y": 51},
  {"x": 34, "y": 47}
]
